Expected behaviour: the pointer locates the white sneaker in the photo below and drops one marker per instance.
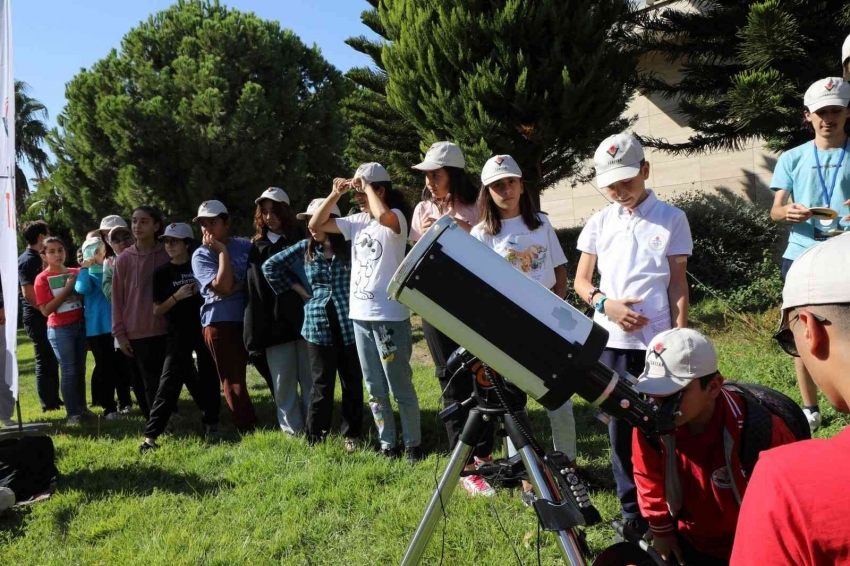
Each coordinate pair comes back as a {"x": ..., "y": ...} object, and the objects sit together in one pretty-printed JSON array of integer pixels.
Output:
[
  {"x": 476, "y": 485},
  {"x": 815, "y": 419},
  {"x": 7, "y": 498}
]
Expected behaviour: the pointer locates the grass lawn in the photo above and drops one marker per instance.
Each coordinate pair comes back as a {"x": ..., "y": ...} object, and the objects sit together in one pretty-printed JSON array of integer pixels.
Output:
[{"x": 270, "y": 499}]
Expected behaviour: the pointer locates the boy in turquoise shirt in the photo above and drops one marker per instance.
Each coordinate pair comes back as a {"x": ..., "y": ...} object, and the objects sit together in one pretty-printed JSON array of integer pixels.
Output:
[{"x": 815, "y": 175}]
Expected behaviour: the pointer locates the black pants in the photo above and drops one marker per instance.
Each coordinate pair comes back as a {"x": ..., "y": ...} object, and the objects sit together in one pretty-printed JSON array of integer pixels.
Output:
[
  {"x": 149, "y": 354},
  {"x": 325, "y": 361},
  {"x": 179, "y": 369},
  {"x": 46, "y": 366},
  {"x": 129, "y": 379},
  {"x": 620, "y": 432},
  {"x": 104, "y": 376},
  {"x": 455, "y": 390}
]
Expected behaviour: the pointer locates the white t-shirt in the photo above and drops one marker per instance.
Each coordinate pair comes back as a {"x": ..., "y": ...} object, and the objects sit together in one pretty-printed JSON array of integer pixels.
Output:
[
  {"x": 376, "y": 253},
  {"x": 632, "y": 251},
  {"x": 534, "y": 252}
]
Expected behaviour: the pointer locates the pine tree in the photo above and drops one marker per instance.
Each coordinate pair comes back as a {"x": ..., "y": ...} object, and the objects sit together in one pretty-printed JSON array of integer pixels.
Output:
[
  {"x": 378, "y": 132},
  {"x": 744, "y": 67},
  {"x": 542, "y": 80}
]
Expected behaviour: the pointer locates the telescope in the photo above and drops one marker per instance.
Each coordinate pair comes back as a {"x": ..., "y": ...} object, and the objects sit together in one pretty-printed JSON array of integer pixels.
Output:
[{"x": 539, "y": 344}]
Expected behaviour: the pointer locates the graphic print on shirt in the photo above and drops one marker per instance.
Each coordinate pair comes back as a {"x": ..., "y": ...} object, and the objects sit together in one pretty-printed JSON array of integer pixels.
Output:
[
  {"x": 367, "y": 252},
  {"x": 525, "y": 255},
  {"x": 656, "y": 242},
  {"x": 720, "y": 477},
  {"x": 386, "y": 347}
]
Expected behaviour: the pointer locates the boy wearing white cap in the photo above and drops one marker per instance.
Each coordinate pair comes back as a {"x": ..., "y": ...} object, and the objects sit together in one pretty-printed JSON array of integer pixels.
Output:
[
  {"x": 640, "y": 246},
  {"x": 816, "y": 175},
  {"x": 690, "y": 498},
  {"x": 796, "y": 508}
]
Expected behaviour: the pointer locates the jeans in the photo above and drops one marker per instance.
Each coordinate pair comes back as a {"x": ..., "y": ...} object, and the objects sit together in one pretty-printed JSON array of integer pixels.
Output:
[
  {"x": 290, "y": 367},
  {"x": 384, "y": 348},
  {"x": 563, "y": 431},
  {"x": 46, "y": 366},
  {"x": 179, "y": 369},
  {"x": 225, "y": 342},
  {"x": 69, "y": 347},
  {"x": 456, "y": 389},
  {"x": 620, "y": 433}
]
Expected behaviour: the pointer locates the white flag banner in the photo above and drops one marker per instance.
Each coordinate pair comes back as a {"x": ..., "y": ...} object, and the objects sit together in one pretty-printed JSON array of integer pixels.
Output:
[{"x": 8, "y": 222}]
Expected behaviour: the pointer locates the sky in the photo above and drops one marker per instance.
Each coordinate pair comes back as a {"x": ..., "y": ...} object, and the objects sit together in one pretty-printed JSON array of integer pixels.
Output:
[{"x": 54, "y": 39}]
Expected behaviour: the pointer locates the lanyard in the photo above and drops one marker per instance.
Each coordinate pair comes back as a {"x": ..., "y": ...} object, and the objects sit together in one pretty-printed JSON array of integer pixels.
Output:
[{"x": 827, "y": 195}]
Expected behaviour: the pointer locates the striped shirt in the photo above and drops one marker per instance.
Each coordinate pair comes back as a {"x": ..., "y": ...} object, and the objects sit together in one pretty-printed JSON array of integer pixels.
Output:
[{"x": 330, "y": 280}]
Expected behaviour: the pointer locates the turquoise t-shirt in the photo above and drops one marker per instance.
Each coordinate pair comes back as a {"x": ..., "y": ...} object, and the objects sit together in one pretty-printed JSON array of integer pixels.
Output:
[{"x": 797, "y": 172}]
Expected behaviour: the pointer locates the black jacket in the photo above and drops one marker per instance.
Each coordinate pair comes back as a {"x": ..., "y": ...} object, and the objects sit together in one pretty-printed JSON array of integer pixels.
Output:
[{"x": 269, "y": 319}]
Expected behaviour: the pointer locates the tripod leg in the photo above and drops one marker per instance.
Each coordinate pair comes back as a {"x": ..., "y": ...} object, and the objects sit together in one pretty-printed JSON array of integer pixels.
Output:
[
  {"x": 472, "y": 430},
  {"x": 545, "y": 487}
]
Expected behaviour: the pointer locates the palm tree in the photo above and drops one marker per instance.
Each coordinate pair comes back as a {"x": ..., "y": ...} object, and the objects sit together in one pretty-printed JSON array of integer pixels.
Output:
[{"x": 30, "y": 133}]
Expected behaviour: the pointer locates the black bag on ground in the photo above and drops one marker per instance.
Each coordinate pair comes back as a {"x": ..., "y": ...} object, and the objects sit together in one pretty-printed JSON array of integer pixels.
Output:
[
  {"x": 762, "y": 403},
  {"x": 27, "y": 465}
]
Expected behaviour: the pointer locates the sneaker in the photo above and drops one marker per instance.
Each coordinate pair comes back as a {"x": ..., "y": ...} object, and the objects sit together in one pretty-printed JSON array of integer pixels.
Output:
[
  {"x": 414, "y": 454},
  {"x": 351, "y": 445},
  {"x": 390, "y": 452},
  {"x": 125, "y": 410},
  {"x": 7, "y": 498},
  {"x": 75, "y": 420},
  {"x": 476, "y": 485},
  {"x": 147, "y": 447},
  {"x": 211, "y": 433},
  {"x": 113, "y": 416},
  {"x": 528, "y": 497},
  {"x": 815, "y": 419}
]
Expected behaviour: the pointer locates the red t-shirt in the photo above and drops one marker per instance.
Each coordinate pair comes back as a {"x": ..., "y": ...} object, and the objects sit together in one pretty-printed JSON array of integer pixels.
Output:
[
  {"x": 795, "y": 510},
  {"x": 47, "y": 285}
]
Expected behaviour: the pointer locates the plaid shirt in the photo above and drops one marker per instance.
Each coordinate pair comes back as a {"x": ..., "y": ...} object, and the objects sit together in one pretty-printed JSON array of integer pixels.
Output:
[{"x": 330, "y": 280}]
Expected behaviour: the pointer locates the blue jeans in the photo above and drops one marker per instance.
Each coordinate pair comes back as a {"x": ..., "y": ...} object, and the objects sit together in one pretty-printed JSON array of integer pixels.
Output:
[
  {"x": 384, "y": 348},
  {"x": 69, "y": 346}
]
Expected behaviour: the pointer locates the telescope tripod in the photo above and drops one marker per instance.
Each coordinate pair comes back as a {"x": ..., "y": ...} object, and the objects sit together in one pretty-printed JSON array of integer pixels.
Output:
[{"x": 558, "y": 512}]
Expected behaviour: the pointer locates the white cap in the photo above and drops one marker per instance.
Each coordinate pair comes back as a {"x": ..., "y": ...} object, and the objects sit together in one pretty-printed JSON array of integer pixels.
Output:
[
  {"x": 372, "y": 173},
  {"x": 845, "y": 51},
  {"x": 93, "y": 242},
  {"x": 111, "y": 221},
  {"x": 816, "y": 278},
  {"x": 442, "y": 154},
  {"x": 617, "y": 159},
  {"x": 178, "y": 230},
  {"x": 673, "y": 359},
  {"x": 499, "y": 167},
  {"x": 831, "y": 91},
  {"x": 274, "y": 193},
  {"x": 118, "y": 229},
  {"x": 210, "y": 209},
  {"x": 313, "y": 207}
]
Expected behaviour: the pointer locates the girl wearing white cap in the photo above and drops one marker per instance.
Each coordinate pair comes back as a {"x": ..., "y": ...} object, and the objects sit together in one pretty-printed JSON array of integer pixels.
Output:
[
  {"x": 176, "y": 297},
  {"x": 816, "y": 175},
  {"x": 513, "y": 228},
  {"x": 273, "y": 322},
  {"x": 98, "y": 316},
  {"x": 325, "y": 259},
  {"x": 378, "y": 238},
  {"x": 448, "y": 191}
]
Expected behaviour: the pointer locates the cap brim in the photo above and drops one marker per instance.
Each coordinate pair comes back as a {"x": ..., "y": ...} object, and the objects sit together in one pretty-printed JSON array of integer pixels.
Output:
[
  {"x": 499, "y": 177},
  {"x": 823, "y": 103},
  {"x": 660, "y": 386},
  {"x": 612, "y": 176},
  {"x": 195, "y": 219},
  {"x": 428, "y": 166},
  {"x": 303, "y": 216}
]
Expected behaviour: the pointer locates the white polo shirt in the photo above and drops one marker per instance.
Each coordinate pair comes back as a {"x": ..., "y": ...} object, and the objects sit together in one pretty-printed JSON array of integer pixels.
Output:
[{"x": 632, "y": 251}]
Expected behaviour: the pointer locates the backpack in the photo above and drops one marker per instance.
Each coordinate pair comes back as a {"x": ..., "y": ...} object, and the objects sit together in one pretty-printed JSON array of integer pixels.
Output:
[
  {"x": 762, "y": 404},
  {"x": 27, "y": 465}
]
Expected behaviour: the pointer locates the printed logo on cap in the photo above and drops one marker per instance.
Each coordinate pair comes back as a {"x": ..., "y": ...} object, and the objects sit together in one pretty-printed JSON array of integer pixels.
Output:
[
  {"x": 173, "y": 225},
  {"x": 204, "y": 203},
  {"x": 656, "y": 242},
  {"x": 659, "y": 349},
  {"x": 614, "y": 150},
  {"x": 830, "y": 85},
  {"x": 499, "y": 159}
]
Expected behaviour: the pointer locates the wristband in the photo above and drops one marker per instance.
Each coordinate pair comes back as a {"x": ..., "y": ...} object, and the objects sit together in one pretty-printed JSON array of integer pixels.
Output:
[
  {"x": 600, "y": 306},
  {"x": 175, "y": 299},
  {"x": 592, "y": 294}
]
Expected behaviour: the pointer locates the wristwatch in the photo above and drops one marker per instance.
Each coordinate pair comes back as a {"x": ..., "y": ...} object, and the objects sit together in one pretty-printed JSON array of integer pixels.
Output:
[{"x": 600, "y": 306}]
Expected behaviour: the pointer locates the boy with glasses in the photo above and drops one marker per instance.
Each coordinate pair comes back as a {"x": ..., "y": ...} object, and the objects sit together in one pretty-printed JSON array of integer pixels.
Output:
[
  {"x": 816, "y": 175},
  {"x": 795, "y": 511}
]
